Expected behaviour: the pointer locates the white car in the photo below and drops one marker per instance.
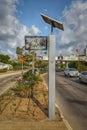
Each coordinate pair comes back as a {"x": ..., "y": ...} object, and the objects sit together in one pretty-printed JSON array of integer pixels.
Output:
[
  {"x": 5, "y": 66},
  {"x": 71, "y": 72},
  {"x": 83, "y": 76}
]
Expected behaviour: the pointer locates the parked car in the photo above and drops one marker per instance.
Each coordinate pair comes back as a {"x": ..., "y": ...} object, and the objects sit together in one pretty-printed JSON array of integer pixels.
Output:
[
  {"x": 71, "y": 72},
  {"x": 5, "y": 66},
  {"x": 83, "y": 76}
]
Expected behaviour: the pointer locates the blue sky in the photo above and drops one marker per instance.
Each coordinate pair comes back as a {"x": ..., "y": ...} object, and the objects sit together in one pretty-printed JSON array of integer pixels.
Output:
[
  {"x": 22, "y": 17},
  {"x": 31, "y": 9},
  {"x": 29, "y": 12}
]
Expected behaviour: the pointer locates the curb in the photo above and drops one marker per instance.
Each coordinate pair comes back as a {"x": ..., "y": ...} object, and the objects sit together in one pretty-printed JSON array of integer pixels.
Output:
[{"x": 64, "y": 120}]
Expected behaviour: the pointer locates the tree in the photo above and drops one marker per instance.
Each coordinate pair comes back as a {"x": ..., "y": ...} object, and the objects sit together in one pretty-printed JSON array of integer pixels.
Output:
[
  {"x": 73, "y": 64},
  {"x": 19, "y": 51},
  {"x": 4, "y": 58}
]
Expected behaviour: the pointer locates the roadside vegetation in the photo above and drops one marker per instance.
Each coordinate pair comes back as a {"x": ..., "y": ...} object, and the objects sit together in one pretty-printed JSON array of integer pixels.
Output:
[
  {"x": 28, "y": 82},
  {"x": 80, "y": 66}
]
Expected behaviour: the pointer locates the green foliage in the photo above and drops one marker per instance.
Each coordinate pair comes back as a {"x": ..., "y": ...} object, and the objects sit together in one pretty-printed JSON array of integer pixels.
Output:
[
  {"x": 28, "y": 75},
  {"x": 85, "y": 63},
  {"x": 38, "y": 78},
  {"x": 4, "y": 58},
  {"x": 19, "y": 51},
  {"x": 41, "y": 64},
  {"x": 43, "y": 71},
  {"x": 73, "y": 64},
  {"x": 24, "y": 87},
  {"x": 30, "y": 78},
  {"x": 20, "y": 86},
  {"x": 60, "y": 65},
  {"x": 28, "y": 58},
  {"x": 16, "y": 65},
  {"x": 82, "y": 68}
]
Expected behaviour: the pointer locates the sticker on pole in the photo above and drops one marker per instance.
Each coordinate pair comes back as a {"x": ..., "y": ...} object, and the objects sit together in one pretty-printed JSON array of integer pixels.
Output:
[{"x": 36, "y": 42}]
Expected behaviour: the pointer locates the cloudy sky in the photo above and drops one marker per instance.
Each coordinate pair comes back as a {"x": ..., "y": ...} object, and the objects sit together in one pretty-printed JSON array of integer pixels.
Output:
[{"x": 22, "y": 17}]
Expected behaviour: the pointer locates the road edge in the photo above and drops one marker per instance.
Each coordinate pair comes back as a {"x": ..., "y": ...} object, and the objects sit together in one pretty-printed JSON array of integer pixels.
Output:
[{"x": 63, "y": 118}]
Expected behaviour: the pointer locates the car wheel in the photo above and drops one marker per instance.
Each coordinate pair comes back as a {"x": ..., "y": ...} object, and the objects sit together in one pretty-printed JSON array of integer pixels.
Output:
[
  {"x": 80, "y": 80},
  {"x": 65, "y": 75},
  {"x": 68, "y": 75}
]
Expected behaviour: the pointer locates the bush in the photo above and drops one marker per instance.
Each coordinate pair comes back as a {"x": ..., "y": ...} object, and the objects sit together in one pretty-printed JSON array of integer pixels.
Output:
[
  {"x": 20, "y": 86},
  {"x": 38, "y": 78},
  {"x": 82, "y": 68},
  {"x": 28, "y": 75},
  {"x": 25, "y": 87},
  {"x": 73, "y": 64}
]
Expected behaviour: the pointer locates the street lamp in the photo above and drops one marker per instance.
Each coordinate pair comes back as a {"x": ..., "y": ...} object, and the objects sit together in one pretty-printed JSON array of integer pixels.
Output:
[{"x": 51, "y": 41}]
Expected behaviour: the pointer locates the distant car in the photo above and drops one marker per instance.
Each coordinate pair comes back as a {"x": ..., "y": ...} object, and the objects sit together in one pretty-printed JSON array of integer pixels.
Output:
[
  {"x": 83, "y": 76},
  {"x": 71, "y": 72},
  {"x": 58, "y": 69}
]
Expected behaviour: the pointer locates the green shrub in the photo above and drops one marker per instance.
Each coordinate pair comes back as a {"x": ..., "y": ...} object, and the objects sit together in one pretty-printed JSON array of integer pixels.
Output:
[
  {"x": 25, "y": 86},
  {"x": 20, "y": 86},
  {"x": 28, "y": 75},
  {"x": 38, "y": 78},
  {"x": 82, "y": 68}
]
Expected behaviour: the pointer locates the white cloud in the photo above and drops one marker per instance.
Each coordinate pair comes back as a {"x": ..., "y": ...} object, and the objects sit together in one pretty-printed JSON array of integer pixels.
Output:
[
  {"x": 34, "y": 30},
  {"x": 75, "y": 28},
  {"x": 12, "y": 32}
]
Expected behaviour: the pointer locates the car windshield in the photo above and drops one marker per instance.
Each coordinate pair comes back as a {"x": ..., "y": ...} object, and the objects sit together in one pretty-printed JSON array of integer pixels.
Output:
[
  {"x": 84, "y": 73},
  {"x": 72, "y": 69}
]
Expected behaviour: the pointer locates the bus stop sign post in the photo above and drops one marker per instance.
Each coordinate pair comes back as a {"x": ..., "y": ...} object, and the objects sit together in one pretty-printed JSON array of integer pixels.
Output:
[
  {"x": 51, "y": 43},
  {"x": 51, "y": 97}
]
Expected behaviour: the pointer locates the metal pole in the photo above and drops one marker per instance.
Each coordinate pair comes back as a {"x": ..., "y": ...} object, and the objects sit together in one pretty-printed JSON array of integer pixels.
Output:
[
  {"x": 22, "y": 70},
  {"x": 51, "y": 29},
  {"x": 33, "y": 65},
  {"x": 51, "y": 43}
]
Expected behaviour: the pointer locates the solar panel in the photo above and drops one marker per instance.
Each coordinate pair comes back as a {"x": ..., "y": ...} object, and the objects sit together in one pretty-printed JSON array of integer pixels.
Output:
[{"x": 54, "y": 23}]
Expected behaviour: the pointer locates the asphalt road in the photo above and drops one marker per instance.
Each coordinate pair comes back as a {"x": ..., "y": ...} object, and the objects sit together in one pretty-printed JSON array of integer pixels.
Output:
[
  {"x": 7, "y": 80},
  {"x": 71, "y": 97}
]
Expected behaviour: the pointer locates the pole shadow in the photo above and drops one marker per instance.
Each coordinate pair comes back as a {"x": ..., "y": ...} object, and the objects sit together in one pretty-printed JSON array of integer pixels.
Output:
[{"x": 45, "y": 110}]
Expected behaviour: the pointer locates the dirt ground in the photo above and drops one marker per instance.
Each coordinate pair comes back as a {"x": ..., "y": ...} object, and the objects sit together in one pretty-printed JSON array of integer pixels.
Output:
[
  {"x": 19, "y": 111},
  {"x": 14, "y": 106}
]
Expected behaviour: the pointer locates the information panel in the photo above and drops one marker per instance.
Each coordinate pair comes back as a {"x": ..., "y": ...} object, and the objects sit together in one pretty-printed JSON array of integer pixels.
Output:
[{"x": 36, "y": 42}]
